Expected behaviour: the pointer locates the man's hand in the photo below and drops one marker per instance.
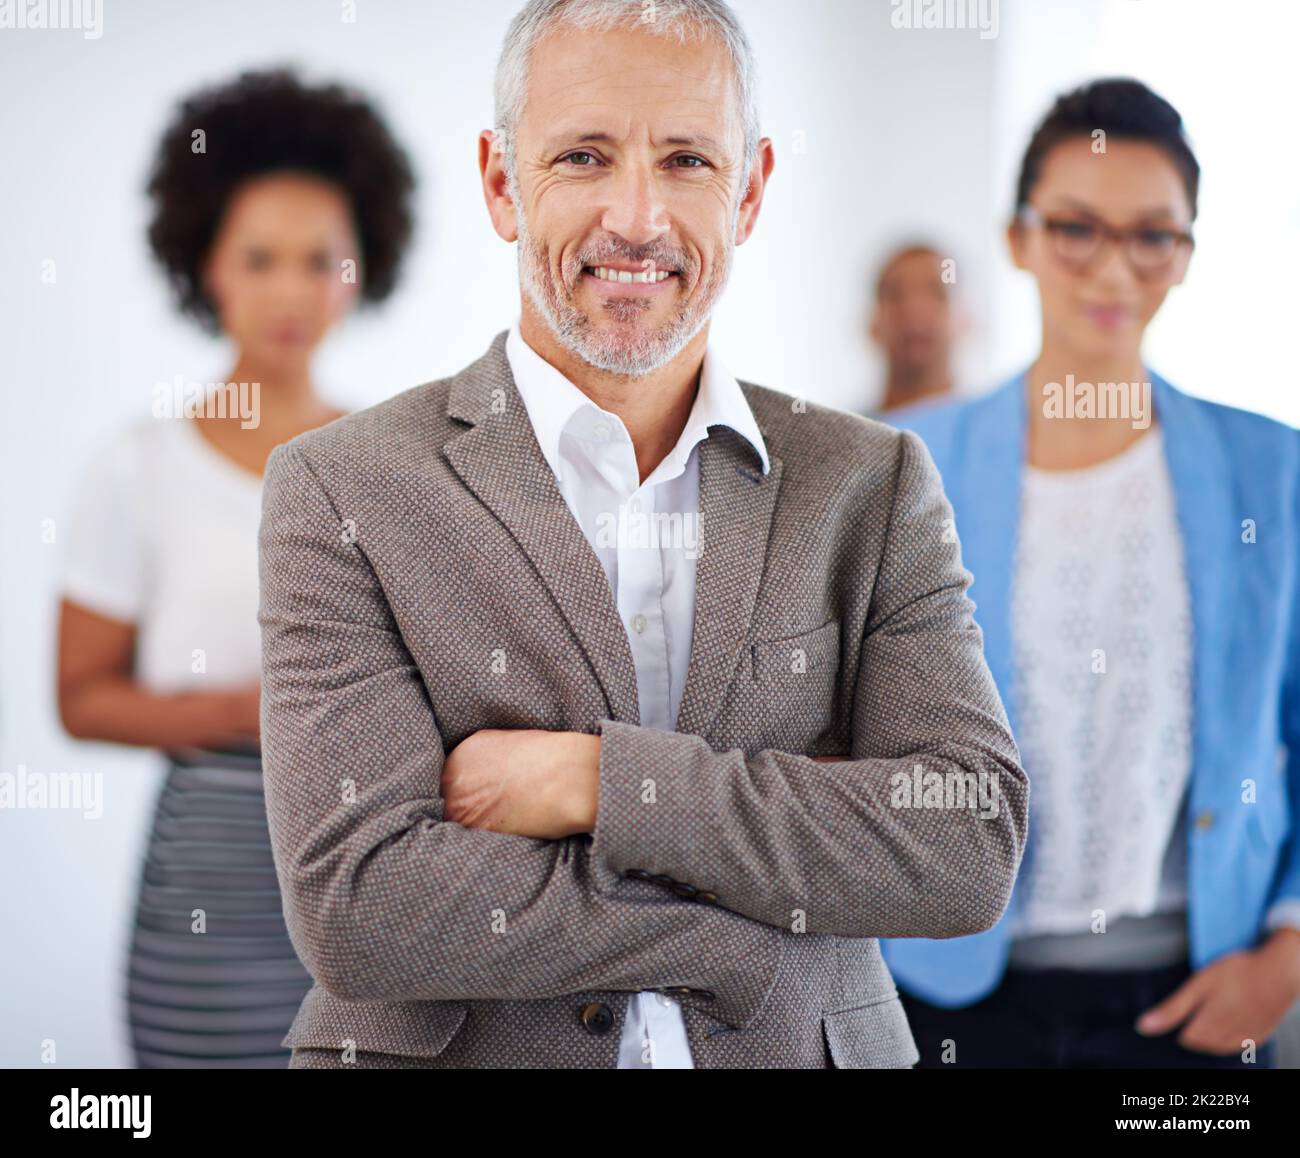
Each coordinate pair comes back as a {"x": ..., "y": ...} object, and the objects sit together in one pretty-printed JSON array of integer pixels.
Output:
[
  {"x": 1241, "y": 996},
  {"x": 527, "y": 781}
]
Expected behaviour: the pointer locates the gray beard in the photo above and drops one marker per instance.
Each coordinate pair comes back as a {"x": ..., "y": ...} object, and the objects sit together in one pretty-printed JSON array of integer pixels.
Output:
[{"x": 574, "y": 330}]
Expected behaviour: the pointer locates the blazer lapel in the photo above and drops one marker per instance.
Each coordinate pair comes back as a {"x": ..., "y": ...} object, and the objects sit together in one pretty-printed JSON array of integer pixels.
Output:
[
  {"x": 736, "y": 504},
  {"x": 499, "y": 459}
]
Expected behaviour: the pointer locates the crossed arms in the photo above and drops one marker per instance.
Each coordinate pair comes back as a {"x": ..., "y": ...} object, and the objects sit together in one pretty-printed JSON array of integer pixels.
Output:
[{"x": 387, "y": 899}]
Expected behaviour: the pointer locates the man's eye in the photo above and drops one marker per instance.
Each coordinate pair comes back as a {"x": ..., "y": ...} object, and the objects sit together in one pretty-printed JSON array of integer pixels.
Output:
[
  {"x": 700, "y": 162},
  {"x": 590, "y": 157}
]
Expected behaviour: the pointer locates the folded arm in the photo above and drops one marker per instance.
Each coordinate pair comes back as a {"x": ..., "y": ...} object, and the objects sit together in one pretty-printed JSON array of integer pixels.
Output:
[{"x": 841, "y": 847}]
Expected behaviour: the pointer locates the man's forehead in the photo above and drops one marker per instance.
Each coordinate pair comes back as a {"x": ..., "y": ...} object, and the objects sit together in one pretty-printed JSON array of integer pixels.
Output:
[
  {"x": 584, "y": 81},
  {"x": 911, "y": 264}
]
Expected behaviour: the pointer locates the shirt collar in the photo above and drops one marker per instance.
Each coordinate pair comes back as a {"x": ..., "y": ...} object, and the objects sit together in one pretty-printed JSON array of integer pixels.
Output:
[{"x": 553, "y": 402}]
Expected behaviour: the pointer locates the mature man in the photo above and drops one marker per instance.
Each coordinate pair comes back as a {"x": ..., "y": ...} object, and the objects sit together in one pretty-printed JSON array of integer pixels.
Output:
[{"x": 559, "y": 652}]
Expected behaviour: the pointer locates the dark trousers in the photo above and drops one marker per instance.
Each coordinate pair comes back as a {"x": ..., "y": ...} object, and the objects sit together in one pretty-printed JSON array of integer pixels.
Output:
[{"x": 1063, "y": 1019}]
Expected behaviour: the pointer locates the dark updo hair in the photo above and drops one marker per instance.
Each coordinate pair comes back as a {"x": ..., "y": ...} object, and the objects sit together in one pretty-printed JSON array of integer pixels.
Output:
[
  {"x": 265, "y": 122},
  {"x": 1124, "y": 108}
]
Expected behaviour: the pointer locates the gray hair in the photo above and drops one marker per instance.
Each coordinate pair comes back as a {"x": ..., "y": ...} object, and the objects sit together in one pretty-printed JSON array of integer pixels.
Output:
[{"x": 684, "y": 18}]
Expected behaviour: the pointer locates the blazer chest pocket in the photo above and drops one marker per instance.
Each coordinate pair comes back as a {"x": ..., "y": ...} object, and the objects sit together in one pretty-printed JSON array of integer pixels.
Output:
[
  {"x": 791, "y": 662},
  {"x": 410, "y": 1028},
  {"x": 868, "y": 1037},
  {"x": 791, "y": 698}
]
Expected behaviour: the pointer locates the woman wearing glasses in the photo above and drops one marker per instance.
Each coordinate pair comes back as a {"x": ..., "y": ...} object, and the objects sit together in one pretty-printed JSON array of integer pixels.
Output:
[{"x": 1135, "y": 558}]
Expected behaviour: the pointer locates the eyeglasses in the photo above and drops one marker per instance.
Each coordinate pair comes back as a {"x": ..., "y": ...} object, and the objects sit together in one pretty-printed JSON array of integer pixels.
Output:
[{"x": 1151, "y": 250}]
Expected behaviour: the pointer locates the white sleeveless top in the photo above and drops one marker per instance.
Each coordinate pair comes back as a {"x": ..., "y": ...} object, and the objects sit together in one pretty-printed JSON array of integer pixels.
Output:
[
  {"x": 162, "y": 533},
  {"x": 1102, "y": 644}
]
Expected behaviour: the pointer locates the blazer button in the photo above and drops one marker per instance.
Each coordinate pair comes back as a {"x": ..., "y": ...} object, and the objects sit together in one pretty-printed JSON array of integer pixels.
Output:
[
  {"x": 637, "y": 874},
  {"x": 684, "y": 890},
  {"x": 707, "y": 898},
  {"x": 597, "y": 1018}
]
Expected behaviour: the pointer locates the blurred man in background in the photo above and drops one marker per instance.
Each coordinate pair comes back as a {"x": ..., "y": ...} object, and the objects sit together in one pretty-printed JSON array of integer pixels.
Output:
[{"x": 915, "y": 321}]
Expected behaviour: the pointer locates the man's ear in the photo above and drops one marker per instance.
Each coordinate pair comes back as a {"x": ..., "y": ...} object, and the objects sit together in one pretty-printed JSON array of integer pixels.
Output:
[
  {"x": 492, "y": 168},
  {"x": 751, "y": 200}
]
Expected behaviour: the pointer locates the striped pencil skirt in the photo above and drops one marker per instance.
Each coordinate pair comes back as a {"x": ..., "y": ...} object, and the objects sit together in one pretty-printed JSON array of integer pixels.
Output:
[{"x": 213, "y": 980}]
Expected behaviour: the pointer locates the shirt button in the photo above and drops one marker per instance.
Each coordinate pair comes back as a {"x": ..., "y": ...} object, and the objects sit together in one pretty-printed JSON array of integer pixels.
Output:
[
  {"x": 638, "y": 623},
  {"x": 664, "y": 999}
]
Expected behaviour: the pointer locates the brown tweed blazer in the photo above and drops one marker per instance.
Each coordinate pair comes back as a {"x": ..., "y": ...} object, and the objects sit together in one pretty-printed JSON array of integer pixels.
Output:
[{"x": 422, "y": 578}]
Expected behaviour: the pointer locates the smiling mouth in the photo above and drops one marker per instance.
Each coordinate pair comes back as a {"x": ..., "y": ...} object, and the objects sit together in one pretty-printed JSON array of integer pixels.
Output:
[{"x": 628, "y": 276}]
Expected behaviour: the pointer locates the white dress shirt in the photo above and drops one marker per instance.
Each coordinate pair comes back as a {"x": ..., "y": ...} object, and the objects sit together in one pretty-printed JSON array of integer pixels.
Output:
[{"x": 646, "y": 535}]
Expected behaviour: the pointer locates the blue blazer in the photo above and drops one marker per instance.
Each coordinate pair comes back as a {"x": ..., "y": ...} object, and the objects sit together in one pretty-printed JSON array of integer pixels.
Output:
[{"x": 1233, "y": 472}]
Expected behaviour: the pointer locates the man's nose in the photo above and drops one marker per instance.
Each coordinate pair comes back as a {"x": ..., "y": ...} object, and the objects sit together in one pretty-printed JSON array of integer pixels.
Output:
[{"x": 636, "y": 210}]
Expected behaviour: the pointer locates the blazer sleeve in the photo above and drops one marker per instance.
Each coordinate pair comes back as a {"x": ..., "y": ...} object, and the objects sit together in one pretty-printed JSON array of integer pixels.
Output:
[
  {"x": 386, "y": 901},
  {"x": 841, "y": 848}
]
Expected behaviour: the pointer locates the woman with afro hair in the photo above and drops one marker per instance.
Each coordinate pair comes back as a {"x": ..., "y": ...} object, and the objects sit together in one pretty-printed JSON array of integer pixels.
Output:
[{"x": 275, "y": 206}]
